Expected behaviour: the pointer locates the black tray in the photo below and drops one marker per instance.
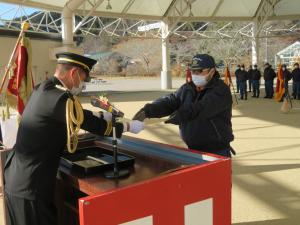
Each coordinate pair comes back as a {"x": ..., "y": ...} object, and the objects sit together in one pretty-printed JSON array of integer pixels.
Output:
[{"x": 91, "y": 160}]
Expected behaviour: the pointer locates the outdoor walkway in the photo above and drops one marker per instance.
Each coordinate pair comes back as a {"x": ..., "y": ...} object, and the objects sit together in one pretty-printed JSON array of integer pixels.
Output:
[{"x": 266, "y": 169}]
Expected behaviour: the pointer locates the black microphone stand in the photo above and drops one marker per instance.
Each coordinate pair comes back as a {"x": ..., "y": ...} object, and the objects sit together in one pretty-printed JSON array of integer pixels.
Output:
[{"x": 116, "y": 173}]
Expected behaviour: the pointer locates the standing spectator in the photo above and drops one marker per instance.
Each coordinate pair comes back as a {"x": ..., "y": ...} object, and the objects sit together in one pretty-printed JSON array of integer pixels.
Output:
[
  {"x": 243, "y": 82},
  {"x": 250, "y": 79},
  {"x": 286, "y": 77},
  {"x": 296, "y": 81},
  {"x": 256, "y": 75},
  {"x": 269, "y": 76},
  {"x": 237, "y": 73}
]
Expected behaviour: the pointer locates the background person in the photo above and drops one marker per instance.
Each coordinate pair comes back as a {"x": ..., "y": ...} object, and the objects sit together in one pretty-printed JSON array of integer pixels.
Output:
[
  {"x": 269, "y": 76},
  {"x": 256, "y": 75}
]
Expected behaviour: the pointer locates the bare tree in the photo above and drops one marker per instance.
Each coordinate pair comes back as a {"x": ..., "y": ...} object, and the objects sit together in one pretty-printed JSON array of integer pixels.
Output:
[
  {"x": 92, "y": 44},
  {"x": 147, "y": 51}
]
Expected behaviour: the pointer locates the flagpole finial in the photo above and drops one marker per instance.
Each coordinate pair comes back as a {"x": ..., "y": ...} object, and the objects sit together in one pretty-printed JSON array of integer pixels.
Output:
[{"x": 25, "y": 26}]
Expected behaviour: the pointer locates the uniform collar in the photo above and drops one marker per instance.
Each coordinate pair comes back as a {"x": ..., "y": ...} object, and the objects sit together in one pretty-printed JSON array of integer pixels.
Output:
[{"x": 57, "y": 81}]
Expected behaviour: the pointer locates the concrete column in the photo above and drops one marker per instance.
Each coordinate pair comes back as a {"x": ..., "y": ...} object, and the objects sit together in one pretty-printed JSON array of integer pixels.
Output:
[
  {"x": 166, "y": 80},
  {"x": 266, "y": 47},
  {"x": 67, "y": 21},
  {"x": 255, "y": 45}
]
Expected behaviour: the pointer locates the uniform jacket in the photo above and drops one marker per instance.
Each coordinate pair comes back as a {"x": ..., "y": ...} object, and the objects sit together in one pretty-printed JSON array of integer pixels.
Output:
[
  {"x": 256, "y": 75},
  {"x": 250, "y": 74},
  {"x": 237, "y": 73},
  {"x": 287, "y": 76},
  {"x": 269, "y": 73},
  {"x": 296, "y": 75},
  {"x": 243, "y": 75},
  {"x": 30, "y": 170},
  {"x": 204, "y": 117}
]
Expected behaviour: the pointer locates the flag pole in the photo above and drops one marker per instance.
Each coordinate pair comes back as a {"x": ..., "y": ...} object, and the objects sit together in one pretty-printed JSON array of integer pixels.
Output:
[{"x": 25, "y": 26}]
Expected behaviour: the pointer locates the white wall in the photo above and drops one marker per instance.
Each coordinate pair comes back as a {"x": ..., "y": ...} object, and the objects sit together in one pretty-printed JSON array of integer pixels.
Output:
[{"x": 40, "y": 56}]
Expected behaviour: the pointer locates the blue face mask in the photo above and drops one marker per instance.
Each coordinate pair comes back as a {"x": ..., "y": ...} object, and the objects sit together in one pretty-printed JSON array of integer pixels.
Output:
[{"x": 199, "y": 80}]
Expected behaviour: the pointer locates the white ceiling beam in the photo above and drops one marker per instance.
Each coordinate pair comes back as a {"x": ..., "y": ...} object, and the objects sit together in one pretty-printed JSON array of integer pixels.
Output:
[
  {"x": 97, "y": 4},
  {"x": 170, "y": 8},
  {"x": 54, "y": 8},
  {"x": 128, "y": 6},
  {"x": 217, "y": 8},
  {"x": 181, "y": 13},
  {"x": 264, "y": 10},
  {"x": 211, "y": 19}
]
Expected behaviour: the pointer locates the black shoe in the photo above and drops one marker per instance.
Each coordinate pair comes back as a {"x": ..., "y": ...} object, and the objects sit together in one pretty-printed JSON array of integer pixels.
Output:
[
  {"x": 266, "y": 97},
  {"x": 257, "y": 96},
  {"x": 253, "y": 96}
]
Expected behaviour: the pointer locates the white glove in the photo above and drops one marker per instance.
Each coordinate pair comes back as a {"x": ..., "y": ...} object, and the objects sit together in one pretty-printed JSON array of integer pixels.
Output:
[
  {"x": 133, "y": 126},
  {"x": 107, "y": 116}
]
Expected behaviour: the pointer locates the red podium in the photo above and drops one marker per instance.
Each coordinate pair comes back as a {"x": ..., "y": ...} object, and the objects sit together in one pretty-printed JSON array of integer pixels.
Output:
[{"x": 167, "y": 186}]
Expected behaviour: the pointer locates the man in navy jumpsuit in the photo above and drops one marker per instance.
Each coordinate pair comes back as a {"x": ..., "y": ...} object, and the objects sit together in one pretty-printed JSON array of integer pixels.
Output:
[{"x": 201, "y": 108}]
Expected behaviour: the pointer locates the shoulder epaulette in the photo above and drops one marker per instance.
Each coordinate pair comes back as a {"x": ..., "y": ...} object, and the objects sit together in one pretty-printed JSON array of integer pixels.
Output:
[{"x": 61, "y": 88}]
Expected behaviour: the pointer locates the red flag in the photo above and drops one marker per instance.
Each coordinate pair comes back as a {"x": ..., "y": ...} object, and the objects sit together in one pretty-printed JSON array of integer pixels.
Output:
[
  {"x": 20, "y": 84},
  {"x": 227, "y": 77},
  {"x": 279, "y": 85}
]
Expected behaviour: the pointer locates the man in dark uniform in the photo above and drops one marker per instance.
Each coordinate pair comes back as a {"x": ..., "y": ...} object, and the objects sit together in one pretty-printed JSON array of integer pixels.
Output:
[
  {"x": 256, "y": 75},
  {"x": 243, "y": 76},
  {"x": 269, "y": 76},
  {"x": 250, "y": 80},
  {"x": 30, "y": 169},
  {"x": 287, "y": 76},
  {"x": 296, "y": 81},
  {"x": 237, "y": 73},
  {"x": 201, "y": 108}
]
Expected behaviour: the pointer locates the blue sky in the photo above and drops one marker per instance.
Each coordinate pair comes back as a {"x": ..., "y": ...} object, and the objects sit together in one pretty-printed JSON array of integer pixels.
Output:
[{"x": 9, "y": 15}]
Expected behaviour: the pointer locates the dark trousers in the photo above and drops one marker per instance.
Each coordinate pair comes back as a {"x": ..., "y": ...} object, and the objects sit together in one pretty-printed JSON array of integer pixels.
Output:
[
  {"x": 29, "y": 212},
  {"x": 237, "y": 86},
  {"x": 286, "y": 89},
  {"x": 297, "y": 90},
  {"x": 256, "y": 90},
  {"x": 250, "y": 83},
  {"x": 269, "y": 88},
  {"x": 294, "y": 89},
  {"x": 243, "y": 89}
]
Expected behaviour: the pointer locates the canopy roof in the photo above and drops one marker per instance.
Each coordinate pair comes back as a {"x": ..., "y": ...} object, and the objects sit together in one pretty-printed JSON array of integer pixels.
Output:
[{"x": 195, "y": 10}]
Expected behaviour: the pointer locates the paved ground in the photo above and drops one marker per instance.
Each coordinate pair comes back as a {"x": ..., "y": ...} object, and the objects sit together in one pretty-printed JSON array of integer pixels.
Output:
[{"x": 266, "y": 170}]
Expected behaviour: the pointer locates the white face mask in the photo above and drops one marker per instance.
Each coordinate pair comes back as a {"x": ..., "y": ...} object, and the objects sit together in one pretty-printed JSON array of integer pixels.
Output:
[
  {"x": 78, "y": 90},
  {"x": 199, "y": 80},
  {"x": 283, "y": 68}
]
